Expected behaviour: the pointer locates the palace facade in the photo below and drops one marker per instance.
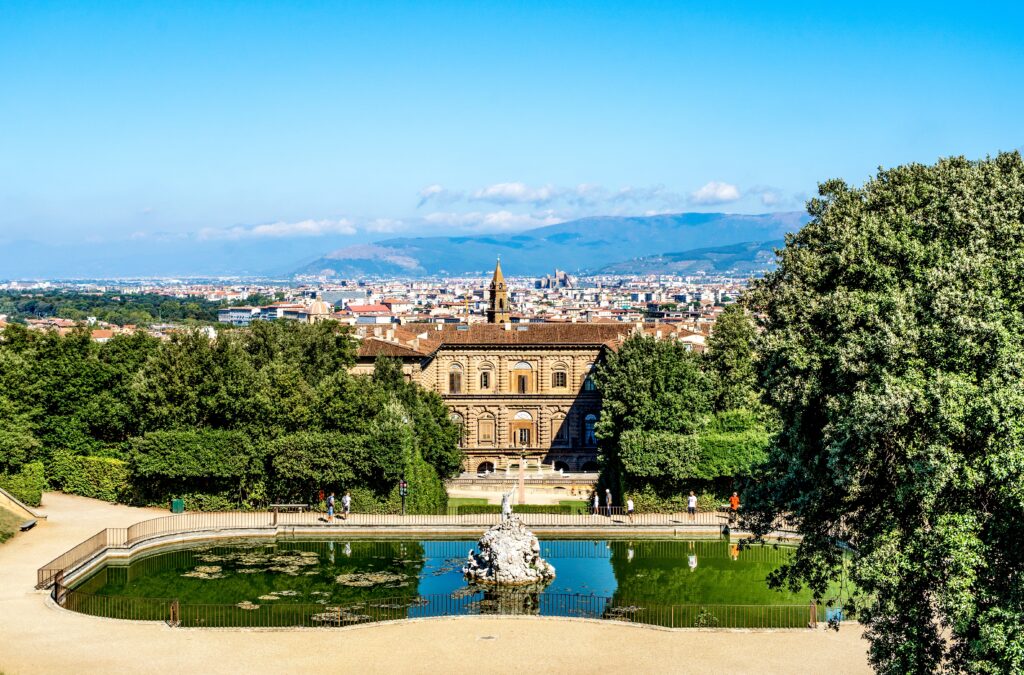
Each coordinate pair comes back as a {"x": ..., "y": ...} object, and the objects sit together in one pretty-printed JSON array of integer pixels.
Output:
[{"x": 520, "y": 391}]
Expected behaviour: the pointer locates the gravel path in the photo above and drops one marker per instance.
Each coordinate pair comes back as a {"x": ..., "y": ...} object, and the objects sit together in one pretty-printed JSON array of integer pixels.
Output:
[{"x": 37, "y": 637}]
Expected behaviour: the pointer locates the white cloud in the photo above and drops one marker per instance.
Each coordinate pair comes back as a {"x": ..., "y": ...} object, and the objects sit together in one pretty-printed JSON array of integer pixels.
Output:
[
  {"x": 438, "y": 193},
  {"x": 280, "y": 229},
  {"x": 516, "y": 193},
  {"x": 494, "y": 221},
  {"x": 715, "y": 192}
]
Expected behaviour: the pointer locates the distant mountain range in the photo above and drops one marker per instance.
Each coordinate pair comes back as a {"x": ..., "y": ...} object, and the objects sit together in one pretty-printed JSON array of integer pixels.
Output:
[
  {"x": 746, "y": 258},
  {"x": 588, "y": 244},
  {"x": 712, "y": 242}
]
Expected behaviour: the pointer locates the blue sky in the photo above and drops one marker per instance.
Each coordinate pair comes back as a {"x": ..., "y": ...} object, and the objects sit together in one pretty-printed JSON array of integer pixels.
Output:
[{"x": 230, "y": 121}]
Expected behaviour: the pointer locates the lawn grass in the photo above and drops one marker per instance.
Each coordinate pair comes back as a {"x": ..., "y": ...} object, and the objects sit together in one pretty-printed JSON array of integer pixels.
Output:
[
  {"x": 9, "y": 524},
  {"x": 462, "y": 501},
  {"x": 455, "y": 502}
]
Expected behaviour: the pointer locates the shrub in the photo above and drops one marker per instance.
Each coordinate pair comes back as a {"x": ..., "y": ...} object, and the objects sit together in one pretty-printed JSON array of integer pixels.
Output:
[
  {"x": 97, "y": 477},
  {"x": 476, "y": 509},
  {"x": 705, "y": 619},
  {"x": 200, "y": 501},
  {"x": 304, "y": 463},
  {"x": 212, "y": 469},
  {"x": 427, "y": 494},
  {"x": 647, "y": 499},
  {"x": 27, "y": 485}
]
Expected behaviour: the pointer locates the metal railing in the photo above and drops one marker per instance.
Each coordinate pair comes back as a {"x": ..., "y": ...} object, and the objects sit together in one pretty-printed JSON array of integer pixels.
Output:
[
  {"x": 474, "y": 603},
  {"x": 605, "y": 520}
]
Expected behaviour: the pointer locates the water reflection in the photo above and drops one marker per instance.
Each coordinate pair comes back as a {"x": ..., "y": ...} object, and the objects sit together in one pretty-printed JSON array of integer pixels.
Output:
[{"x": 423, "y": 578}]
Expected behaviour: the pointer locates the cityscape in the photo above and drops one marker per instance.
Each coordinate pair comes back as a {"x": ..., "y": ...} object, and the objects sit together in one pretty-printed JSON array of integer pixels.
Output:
[{"x": 511, "y": 338}]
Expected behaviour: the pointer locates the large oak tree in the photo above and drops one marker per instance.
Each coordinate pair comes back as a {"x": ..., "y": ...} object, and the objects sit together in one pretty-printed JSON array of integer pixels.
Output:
[{"x": 893, "y": 350}]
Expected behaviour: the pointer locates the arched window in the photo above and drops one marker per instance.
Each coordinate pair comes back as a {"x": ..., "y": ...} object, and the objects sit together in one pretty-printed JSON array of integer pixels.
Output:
[
  {"x": 455, "y": 379},
  {"x": 559, "y": 378},
  {"x": 588, "y": 382},
  {"x": 485, "y": 468},
  {"x": 485, "y": 429},
  {"x": 461, "y": 423},
  {"x": 522, "y": 428},
  {"x": 589, "y": 439},
  {"x": 559, "y": 429},
  {"x": 486, "y": 371},
  {"x": 523, "y": 372},
  {"x": 561, "y": 466}
]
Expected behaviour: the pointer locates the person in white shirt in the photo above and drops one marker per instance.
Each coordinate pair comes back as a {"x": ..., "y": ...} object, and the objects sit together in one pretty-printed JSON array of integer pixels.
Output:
[
  {"x": 597, "y": 503},
  {"x": 346, "y": 505},
  {"x": 629, "y": 509},
  {"x": 691, "y": 505}
]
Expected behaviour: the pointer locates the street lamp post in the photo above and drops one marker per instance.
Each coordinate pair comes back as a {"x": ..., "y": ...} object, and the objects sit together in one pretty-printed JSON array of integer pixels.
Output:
[{"x": 403, "y": 491}]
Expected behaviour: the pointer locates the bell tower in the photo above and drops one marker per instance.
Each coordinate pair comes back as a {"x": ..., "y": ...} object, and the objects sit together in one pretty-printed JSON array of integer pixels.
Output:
[{"x": 498, "y": 312}]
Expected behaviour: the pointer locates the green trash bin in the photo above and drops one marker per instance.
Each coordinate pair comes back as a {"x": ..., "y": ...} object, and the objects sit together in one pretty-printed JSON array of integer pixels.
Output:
[{"x": 177, "y": 506}]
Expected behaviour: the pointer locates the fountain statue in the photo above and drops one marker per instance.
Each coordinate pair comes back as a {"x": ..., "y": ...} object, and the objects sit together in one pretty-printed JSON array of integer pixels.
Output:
[{"x": 508, "y": 555}]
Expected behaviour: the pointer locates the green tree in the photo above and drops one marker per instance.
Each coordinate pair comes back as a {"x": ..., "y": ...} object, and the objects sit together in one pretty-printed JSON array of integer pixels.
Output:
[
  {"x": 893, "y": 351},
  {"x": 730, "y": 357},
  {"x": 657, "y": 385}
]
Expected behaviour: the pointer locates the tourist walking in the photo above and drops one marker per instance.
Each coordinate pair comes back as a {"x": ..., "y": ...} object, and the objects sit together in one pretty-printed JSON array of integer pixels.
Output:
[
  {"x": 346, "y": 505},
  {"x": 691, "y": 505},
  {"x": 330, "y": 508},
  {"x": 596, "y": 503},
  {"x": 734, "y": 508},
  {"x": 629, "y": 509},
  {"x": 608, "y": 501}
]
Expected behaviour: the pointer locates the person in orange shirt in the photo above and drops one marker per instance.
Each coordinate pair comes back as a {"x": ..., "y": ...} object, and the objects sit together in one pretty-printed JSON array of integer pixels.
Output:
[{"x": 734, "y": 507}]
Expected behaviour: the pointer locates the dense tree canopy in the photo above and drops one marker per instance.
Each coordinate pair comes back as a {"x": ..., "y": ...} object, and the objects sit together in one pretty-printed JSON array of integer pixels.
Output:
[
  {"x": 116, "y": 308},
  {"x": 249, "y": 416},
  {"x": 893, "y": 350},
  {"x": 673, "y": 420}
]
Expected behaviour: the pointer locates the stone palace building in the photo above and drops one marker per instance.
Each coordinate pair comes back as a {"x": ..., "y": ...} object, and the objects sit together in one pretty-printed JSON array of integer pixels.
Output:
[{"x": 519, "y": 390}]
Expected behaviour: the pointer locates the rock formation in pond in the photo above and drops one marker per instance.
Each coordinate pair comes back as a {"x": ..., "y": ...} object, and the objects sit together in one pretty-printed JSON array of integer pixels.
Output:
[{"x": 508, "y": 555}]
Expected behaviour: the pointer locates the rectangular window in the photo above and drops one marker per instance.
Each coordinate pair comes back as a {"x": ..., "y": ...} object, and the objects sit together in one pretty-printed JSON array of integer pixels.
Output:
[
  {"x": 524, "y": 437},
  {"x": 454, "y": 383},
  {"x": 560, "y": 430},
  {"x": 521, "y": 386},
  {"x": 559, "y": 379},
  {"x": 486, "y": 431},
  {"x": 485, "y": 380}
]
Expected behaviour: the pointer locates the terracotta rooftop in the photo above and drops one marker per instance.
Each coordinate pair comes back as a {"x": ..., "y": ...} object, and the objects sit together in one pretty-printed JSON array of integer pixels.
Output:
[
  {"x": 424, "y": 339},
  {"x": 525, "y": 334},
  {"x": 374, "y": 347},
  {"x": 361, "y": 309}
]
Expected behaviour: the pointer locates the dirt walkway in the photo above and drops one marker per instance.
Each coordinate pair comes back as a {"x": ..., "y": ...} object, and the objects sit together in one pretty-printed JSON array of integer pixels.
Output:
[{"x": 36, "y": 637}]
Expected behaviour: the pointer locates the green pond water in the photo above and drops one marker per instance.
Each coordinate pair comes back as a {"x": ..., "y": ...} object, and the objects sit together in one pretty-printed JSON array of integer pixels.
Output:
[{"x": 303, "y": 582}]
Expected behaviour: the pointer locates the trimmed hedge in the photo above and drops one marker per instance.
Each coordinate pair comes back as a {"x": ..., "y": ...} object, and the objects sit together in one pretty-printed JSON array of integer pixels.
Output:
[
  {"x": 97, "y": 477},
  {"x": 668, "y": 457},
  {"x": 27, "y": 485}
]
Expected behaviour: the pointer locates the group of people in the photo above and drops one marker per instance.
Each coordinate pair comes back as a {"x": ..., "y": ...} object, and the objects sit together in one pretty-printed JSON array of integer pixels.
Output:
[
  {"x": 691, "y": 505},
  {"x": 608, "y": 504},
  {"x": 346, "y": 505}
]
